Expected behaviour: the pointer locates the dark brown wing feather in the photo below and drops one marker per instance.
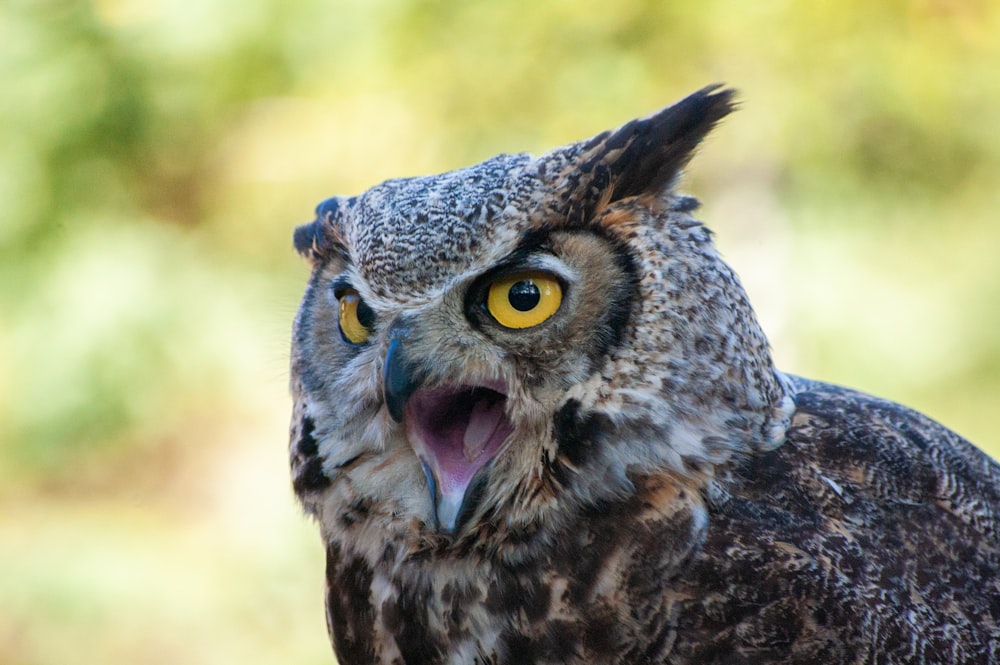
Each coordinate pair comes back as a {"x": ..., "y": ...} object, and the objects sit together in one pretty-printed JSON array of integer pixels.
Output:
[{"x": 871, "y": 535}]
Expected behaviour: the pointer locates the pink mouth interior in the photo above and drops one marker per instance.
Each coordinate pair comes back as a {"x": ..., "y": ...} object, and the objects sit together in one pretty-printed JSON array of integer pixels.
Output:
[{"x": 457, "y": 430}]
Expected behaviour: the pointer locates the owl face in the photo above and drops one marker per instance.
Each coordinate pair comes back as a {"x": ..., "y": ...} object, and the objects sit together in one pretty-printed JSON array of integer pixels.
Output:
[{"x": 479, "y": 352}]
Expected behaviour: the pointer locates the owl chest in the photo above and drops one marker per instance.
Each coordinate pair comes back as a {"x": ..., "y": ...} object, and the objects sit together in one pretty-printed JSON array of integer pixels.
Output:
[
  {"x": 594, "y": 590},
  {"x": 458, "y": 612}
]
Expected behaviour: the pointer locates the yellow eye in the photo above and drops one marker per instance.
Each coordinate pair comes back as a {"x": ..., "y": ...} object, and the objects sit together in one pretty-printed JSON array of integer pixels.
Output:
[
  {"x": 524, "y": 299},
  {"x": 356, "y": 318}
]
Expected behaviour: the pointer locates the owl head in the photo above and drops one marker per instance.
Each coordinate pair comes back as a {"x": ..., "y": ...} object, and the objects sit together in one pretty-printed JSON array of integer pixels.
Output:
[{"x": 481, "y": 353}]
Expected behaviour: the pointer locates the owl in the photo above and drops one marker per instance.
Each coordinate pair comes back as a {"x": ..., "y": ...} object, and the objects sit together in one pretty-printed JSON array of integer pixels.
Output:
[{"x": 537, "y": 421}]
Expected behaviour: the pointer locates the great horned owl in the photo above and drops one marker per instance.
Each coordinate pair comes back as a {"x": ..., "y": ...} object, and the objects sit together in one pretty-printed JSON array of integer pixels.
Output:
[{"x": 537, "y": 422}]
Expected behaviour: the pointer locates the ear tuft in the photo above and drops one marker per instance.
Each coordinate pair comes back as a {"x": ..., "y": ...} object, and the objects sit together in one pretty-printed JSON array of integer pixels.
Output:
[
  {"x": 318, "y": 239},
  {"x": 645, "y": 156},
  {"x": 308, "y": 238}
]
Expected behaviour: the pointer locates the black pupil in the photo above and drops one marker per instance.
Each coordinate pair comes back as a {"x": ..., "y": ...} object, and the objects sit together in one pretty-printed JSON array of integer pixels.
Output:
[
  {"x": 366, "y": 316},
  {"x": 524, "y": 295}
]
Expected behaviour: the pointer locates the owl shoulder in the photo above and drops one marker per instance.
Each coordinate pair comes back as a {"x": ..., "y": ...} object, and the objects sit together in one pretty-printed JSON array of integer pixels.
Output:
[{"x": 871, "y": 527}]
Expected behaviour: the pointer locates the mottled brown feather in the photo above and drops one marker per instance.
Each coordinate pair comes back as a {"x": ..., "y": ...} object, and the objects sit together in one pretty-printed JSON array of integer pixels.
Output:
[{"x": 848, "y": 544}]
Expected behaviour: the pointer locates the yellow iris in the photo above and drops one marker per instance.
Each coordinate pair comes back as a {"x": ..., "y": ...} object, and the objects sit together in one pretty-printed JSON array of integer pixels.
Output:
[
  {"x": 524, "y": 299},
  {"x": 351, "y": 327}
]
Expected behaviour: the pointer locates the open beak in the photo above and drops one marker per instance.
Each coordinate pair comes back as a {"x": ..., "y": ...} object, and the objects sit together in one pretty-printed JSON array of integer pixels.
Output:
[{"x": 456, "y": 430}]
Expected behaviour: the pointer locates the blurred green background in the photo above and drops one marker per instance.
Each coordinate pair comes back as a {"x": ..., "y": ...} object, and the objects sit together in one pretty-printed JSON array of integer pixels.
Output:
[{"x": 155, "y": 157}]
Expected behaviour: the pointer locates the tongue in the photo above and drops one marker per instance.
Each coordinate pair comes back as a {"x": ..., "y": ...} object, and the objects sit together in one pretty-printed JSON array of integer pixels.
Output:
[{"x": 483, "y": 422}]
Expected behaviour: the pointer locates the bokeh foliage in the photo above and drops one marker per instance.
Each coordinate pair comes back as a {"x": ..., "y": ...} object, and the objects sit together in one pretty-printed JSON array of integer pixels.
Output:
[{"x": 154, "y": 157}]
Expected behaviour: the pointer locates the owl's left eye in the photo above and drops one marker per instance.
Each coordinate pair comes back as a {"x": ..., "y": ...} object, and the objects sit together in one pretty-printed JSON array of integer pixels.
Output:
[
  {"x": 524, "y": 299},
  {"x": 356, "y": 317}
]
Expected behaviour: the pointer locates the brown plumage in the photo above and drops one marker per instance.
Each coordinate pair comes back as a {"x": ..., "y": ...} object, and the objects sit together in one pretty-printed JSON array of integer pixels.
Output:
[{"x": 537, "y": 422}]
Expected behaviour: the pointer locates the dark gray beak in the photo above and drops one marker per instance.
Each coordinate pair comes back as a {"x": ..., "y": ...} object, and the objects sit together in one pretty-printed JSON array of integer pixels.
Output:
[{"x": 399, "y": 377}]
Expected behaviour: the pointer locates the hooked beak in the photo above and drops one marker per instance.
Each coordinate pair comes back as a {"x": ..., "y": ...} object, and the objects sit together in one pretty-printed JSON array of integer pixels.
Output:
[
  {"x": 399, "y": 380},
  {"x": 455, "y": 430}
]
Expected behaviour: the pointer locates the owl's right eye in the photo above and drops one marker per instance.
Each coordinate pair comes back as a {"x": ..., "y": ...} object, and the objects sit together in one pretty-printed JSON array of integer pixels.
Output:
[
  {"x": 356, "y": 317},
  {"x": 524, "y": 299}
]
